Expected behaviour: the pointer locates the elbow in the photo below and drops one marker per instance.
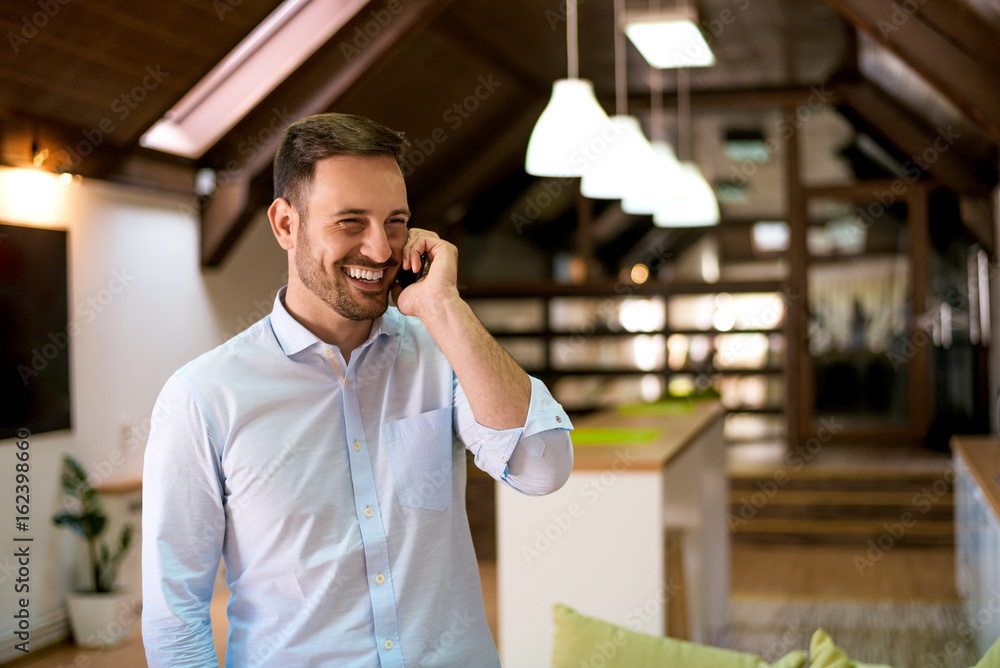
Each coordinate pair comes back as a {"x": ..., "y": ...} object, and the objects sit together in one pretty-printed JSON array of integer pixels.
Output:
[
  {"x": 557, "y": 480},
  {"x": 549, "y": 478}
]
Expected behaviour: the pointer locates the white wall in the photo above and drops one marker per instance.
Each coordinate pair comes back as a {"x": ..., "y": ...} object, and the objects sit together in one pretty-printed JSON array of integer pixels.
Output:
[
  {"x": 161, "y": 312},
  {"x": 994, "y": 353}
]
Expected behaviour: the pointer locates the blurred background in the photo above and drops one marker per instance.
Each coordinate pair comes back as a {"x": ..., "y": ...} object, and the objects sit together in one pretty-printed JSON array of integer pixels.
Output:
[{"x": 836, "y": 297}]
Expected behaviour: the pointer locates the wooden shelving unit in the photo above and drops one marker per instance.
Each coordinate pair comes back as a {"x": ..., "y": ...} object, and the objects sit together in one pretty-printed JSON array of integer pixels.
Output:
[{"x": 543, "y": 298}]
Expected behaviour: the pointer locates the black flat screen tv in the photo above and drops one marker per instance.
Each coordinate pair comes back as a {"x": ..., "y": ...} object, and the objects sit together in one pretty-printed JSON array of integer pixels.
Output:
[{"x": 35, "y": 333}]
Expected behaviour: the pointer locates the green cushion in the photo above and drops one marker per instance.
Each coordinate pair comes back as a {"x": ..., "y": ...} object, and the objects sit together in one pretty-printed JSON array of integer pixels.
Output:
[
  {"x": 823, "y": 653},
  {"x": 992, "y": 657},
  {"x": 582, "y": 641}
]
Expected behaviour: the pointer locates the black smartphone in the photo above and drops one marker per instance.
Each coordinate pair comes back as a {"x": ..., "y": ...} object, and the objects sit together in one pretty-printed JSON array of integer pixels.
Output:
[{"x": 406, "y": 278}]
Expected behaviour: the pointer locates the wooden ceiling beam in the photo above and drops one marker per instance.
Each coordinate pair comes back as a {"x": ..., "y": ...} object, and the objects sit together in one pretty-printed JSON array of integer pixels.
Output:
[
  {"x": 738, "y": 98},
  {"x": 493, "y": 154},
  {"x": 88, "y": 154},
  {"x": 960, "y": 77},
  {"x": 894, "y": 123},
  {"x": 243, "y": 156},
  {"x": 962, "y": 23}
]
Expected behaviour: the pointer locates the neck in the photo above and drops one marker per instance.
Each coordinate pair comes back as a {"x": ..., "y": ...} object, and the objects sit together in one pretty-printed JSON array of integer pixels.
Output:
[{"x": 329, "y": 326}]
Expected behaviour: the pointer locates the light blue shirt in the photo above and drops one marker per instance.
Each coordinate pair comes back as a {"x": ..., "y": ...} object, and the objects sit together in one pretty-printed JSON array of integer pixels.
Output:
[{"x": 335, "y": 494}]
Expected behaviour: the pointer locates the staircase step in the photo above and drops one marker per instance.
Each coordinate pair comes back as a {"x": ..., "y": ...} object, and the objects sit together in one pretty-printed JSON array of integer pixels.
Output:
[
  {"x": 848, "y": 506},
  {"x": 823, "y": 497}
]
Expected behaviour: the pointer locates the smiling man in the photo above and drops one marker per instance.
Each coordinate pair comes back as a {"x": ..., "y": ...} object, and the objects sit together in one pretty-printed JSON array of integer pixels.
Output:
[{"x": 321, "y": 453}]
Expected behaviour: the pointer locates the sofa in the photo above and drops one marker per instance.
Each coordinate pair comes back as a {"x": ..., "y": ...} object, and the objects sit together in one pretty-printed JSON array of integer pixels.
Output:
[{"x": 585, "y": 642}]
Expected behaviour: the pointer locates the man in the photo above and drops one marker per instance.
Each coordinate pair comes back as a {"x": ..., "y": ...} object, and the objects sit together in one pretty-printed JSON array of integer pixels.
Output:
[{"x": 316, "y": 451}]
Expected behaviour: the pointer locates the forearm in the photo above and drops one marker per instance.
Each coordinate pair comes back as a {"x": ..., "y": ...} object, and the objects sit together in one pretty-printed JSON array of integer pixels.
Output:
[{"x": 497, "y": 388}]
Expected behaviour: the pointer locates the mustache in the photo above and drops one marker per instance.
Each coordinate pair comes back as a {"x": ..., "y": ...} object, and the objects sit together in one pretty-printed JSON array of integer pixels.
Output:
[{"x": 365, "y": 263}]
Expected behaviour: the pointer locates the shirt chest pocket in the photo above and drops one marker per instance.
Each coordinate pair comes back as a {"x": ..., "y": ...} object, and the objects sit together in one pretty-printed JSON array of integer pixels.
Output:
[{"x": 420, "y": 452}]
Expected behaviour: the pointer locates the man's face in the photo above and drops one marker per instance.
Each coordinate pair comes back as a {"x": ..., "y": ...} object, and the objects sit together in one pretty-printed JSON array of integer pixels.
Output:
[{"x": 348, "y": 251}]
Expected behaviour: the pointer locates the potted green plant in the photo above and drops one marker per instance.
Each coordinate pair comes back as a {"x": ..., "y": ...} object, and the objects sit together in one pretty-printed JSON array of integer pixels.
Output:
[{"x": 102, "y": 615}]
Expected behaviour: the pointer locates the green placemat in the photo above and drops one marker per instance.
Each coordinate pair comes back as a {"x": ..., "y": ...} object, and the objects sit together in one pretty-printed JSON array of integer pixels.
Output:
[
  {"x": 664, "y": 407},
  {"x": 601, "y": 436}
]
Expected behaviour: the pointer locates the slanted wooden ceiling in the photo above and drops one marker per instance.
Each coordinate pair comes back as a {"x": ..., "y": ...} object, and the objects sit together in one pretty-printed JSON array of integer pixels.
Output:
[{"x": 465, "y": 79}]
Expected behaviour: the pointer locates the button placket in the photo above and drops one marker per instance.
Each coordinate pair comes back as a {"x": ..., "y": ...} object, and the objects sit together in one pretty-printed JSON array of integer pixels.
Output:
[{"x": 373, "y": 536}]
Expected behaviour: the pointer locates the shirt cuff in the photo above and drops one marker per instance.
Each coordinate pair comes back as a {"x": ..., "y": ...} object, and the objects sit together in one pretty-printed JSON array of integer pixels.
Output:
[
  {"x": 497, "y": 445},
  {"x": 544, "y": 412}
]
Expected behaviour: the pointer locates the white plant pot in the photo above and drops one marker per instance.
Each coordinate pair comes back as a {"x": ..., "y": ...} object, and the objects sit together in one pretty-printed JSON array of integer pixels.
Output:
[{"x": 101, "y": 620}]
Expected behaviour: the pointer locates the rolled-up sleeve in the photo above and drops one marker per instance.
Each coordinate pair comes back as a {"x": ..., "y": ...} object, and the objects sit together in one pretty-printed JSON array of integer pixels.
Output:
[
  {"x": 535, "y": 459},
  {"x": 183, "y": 527}
]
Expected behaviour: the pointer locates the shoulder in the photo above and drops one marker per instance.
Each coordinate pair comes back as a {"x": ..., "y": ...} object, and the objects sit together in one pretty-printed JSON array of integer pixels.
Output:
[{"x": 230, "y": 360}]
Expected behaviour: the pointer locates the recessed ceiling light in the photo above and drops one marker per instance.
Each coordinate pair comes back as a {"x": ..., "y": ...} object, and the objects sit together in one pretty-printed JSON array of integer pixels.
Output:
[{"x": 669, "y": 38}]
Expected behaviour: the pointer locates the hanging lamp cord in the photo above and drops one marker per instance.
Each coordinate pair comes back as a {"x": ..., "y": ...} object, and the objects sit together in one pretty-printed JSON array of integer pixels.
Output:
[
  {"x": 572, "y": 64},
  {"x": 621, "y": 82},
  {"x": 685, "y": 142}
]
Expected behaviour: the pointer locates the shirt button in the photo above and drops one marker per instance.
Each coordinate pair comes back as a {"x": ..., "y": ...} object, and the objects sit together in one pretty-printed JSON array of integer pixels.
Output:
[
  {"x": 328, "y": 352},
  {"x": 380, "y": 578},
  {"x": 388, "y": 644},
  {"x": 357, "y": 446},
  {"x": 369, "y": 512},
  {"x": 347, "y": 382}
]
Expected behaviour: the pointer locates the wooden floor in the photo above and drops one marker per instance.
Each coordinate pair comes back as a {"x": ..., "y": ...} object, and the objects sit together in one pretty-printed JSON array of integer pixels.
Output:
[
  {"x": 848, "y": 570},
  {"x": 924, "y": 573},
  {"x": 844, "y": 571}
]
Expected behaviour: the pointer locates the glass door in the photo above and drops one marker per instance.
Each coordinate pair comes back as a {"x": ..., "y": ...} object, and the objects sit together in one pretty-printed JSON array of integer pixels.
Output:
[{"x": 864, "y": 364}]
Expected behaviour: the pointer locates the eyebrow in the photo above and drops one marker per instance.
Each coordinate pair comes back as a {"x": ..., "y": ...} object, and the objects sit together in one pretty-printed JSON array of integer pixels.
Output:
[{"x": 365, "y": 212}]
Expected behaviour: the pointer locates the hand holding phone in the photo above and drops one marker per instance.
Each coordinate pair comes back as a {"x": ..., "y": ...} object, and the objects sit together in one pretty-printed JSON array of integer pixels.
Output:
[{"x": 406, "y": 278}]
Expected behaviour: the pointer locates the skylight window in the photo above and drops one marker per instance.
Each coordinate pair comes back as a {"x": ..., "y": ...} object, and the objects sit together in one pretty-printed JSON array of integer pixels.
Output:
[{"x": 275, "y": 48}]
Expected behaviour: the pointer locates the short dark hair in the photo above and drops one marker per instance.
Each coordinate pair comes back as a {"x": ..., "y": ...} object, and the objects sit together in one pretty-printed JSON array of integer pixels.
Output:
[{"x": 314, "y": 138}]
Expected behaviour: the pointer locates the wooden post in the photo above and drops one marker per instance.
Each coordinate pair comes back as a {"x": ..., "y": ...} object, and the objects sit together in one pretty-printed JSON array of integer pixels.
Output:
[
  {"x": 919, "y": 240},
  {"x": 798, "y": 368}
]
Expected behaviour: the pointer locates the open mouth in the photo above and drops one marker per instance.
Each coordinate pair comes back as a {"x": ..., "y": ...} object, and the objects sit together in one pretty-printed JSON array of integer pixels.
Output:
[{"x": 365, "y": 277}]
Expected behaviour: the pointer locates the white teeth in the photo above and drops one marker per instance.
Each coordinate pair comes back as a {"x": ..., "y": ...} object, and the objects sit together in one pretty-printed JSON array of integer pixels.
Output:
[{"x": 365, "y": 274}]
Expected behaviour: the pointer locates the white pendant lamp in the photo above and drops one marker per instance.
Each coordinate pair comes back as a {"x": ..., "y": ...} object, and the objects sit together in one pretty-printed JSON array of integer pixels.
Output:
[
  {"x": 614, "y": 172},
  {"x": 695, "y": 204},
  {"x": 658, "y": 179},
  {"x": 573, "y": 125}
]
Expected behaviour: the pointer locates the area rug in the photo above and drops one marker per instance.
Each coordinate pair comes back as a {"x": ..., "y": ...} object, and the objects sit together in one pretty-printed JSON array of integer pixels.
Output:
[{"x": 897, "y": 633}]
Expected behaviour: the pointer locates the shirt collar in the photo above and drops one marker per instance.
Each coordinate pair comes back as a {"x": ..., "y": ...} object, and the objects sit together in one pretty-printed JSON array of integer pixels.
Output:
[{"x": 293, "y": 337}]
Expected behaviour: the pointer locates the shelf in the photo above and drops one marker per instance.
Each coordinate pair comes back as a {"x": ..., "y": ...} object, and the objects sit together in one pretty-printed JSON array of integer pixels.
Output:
[
  {"x": 604, "y": 331},
  {"x": 604, "y": 372},
  {"x": 763, "y": 410},
  {"x": 568, "y": 360},
  {"x": 717, "y": 332},
  {"x": 612, "y": 289},
  {"x": 597, "y": 371},
  {"x": 767, "y": 410},
  {"x": 715, "y": 371}
]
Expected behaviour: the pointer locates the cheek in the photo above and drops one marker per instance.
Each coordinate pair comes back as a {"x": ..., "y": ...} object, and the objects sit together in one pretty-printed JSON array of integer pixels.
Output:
[{"x": 397, "y": 240}]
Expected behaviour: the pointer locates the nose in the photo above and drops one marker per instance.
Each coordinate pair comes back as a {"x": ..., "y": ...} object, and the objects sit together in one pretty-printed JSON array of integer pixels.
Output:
[{"x": 375, "y": 244}]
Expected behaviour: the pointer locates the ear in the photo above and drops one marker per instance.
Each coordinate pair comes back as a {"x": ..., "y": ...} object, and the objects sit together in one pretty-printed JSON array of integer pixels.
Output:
[{"x": 284, "y": 222}]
